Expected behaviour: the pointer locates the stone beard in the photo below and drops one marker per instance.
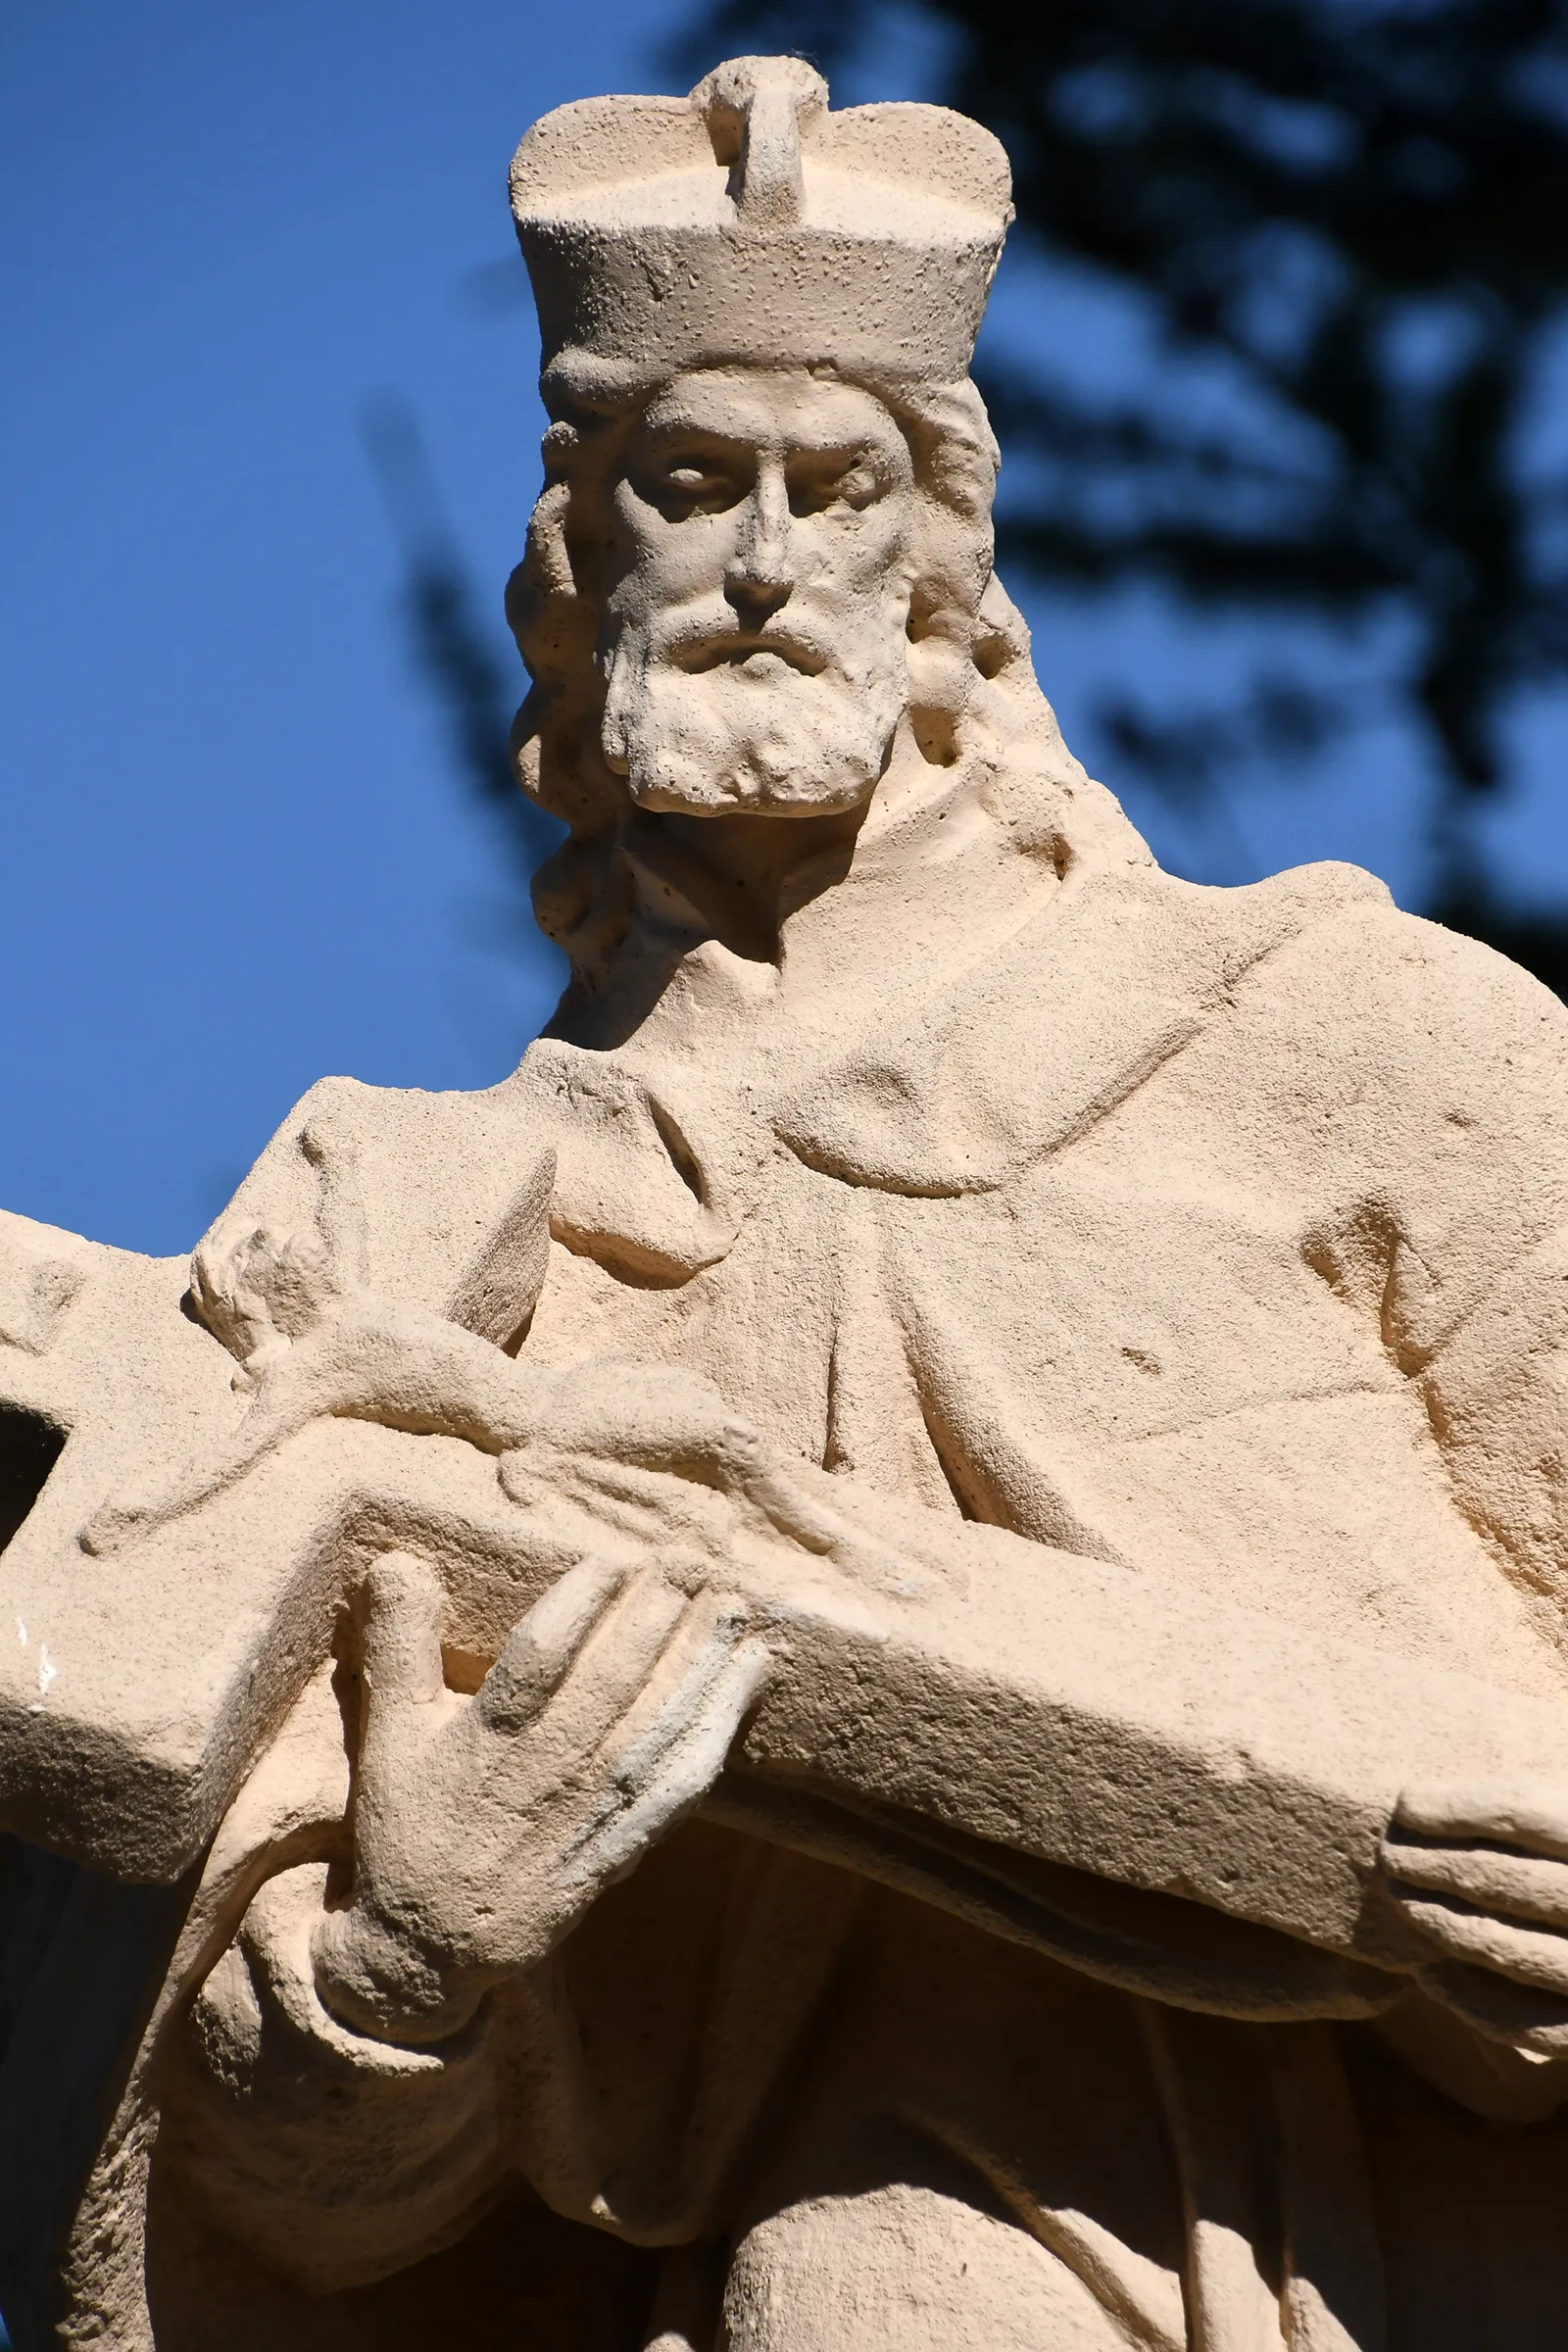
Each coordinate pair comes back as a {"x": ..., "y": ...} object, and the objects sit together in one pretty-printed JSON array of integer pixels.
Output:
[
  {"x": 696, "y": 727},
  {"x": 877, "y": 1661}
]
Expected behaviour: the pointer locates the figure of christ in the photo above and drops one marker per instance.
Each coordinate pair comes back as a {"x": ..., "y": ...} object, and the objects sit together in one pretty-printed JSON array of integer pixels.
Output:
[{"x": 930, "y": 1199}]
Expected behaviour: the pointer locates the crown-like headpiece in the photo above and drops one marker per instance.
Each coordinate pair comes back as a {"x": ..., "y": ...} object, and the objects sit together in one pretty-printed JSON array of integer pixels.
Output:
[{"x": 749, "y": 223}]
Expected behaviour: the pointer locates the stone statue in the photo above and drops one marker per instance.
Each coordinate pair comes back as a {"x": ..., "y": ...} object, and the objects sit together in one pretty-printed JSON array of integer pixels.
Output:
[{"x": 879, "y": 1661}]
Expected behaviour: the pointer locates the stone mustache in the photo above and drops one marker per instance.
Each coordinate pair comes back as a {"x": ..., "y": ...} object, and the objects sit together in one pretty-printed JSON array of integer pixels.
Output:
[{"x": 878, "y": 1662}]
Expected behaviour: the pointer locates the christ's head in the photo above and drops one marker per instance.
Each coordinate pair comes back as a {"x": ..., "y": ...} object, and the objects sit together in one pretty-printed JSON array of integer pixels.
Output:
[{"x": 740, "y": 582}]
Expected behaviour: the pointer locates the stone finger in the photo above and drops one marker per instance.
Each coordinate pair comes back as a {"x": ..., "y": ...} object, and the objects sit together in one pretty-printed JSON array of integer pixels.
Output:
[
  {"x": 809, "y": 1506},
  {"x": 539, "y": 1650},
  {"x": 688, "y": 1765},
  {"x": 1511, "y": 1812},
  {"x": 1517, "y": 2013},
  {"x": 699, "y": 1651},
  {"x": 650, "y": 1506},
  {"x": 614, "y": 1663},
  {"x": 1528, "y": 1955},
  {"x": 1524, "y": 1887}
]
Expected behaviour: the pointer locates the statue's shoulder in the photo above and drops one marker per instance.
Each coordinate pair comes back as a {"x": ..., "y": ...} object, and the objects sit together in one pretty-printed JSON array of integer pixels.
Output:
[
  {"x": 1310, "y": 985},
  {"x": 1361, "y": 1053},
  {"x": 1135, "y": 920},
  {"x": 1329, "y": 941},
  {"x": 1319, "y": 954},
  {"x": 1296, "y": 898}
]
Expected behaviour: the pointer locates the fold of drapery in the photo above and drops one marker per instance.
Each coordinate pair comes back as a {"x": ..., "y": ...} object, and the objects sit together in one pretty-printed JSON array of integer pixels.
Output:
[{"x": 1282, "y": 2247}]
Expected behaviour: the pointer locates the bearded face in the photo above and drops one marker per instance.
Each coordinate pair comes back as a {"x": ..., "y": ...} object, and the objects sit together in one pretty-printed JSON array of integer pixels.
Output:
[{"x": 754, "y": 648}]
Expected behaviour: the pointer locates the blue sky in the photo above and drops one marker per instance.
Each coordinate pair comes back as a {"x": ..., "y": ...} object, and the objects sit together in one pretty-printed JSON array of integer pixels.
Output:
[{"x": 234, "y": 851}]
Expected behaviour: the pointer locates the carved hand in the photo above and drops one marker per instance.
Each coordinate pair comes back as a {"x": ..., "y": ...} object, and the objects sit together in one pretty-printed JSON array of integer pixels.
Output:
[
  {"x": 484, "y": 1828},
  {"x": 1480, "y": 1869}
]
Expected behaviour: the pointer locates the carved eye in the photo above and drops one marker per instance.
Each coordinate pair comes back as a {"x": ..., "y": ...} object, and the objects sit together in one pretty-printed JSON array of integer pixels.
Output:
[
  {"x": 834, "y": 483},
  {"x": 858, "y": 487},
  {"x": 684, "y": 486}
]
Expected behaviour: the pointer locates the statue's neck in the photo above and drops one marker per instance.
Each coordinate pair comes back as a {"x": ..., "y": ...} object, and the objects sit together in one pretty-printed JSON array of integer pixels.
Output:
[{"x": 750, "y": 931}]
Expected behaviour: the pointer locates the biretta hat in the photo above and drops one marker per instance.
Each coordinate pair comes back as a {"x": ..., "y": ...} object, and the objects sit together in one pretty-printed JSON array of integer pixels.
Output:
[{"x": 749, "y": 223}]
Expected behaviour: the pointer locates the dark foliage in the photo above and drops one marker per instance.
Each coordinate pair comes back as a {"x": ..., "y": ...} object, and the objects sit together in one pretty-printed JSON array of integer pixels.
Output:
[{"x": 1360, "y": 207}]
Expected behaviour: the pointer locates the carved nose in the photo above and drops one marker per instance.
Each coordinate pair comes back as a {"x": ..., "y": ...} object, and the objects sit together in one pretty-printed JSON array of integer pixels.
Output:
[
  {"x": 759, "y": 577},
  {"x": 757, "y": 592}
]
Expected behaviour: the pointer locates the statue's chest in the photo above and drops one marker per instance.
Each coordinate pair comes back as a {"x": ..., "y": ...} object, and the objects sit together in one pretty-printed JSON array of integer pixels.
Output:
[
  {"x": 1123, "y": 1370},
  {"x": 769, "y": 1324},
  {"x": 916, "y": 1340}
]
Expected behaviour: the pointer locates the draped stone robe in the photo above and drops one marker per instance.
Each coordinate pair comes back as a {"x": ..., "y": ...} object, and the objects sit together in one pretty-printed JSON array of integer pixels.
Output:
[{"x": 1215, "y": 1232}]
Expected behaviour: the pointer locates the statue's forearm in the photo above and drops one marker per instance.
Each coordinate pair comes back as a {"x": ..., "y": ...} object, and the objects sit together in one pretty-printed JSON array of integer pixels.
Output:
[
  {"x": 1163, "y": 1946},
  {"x": 1127, "y": 1726}
]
